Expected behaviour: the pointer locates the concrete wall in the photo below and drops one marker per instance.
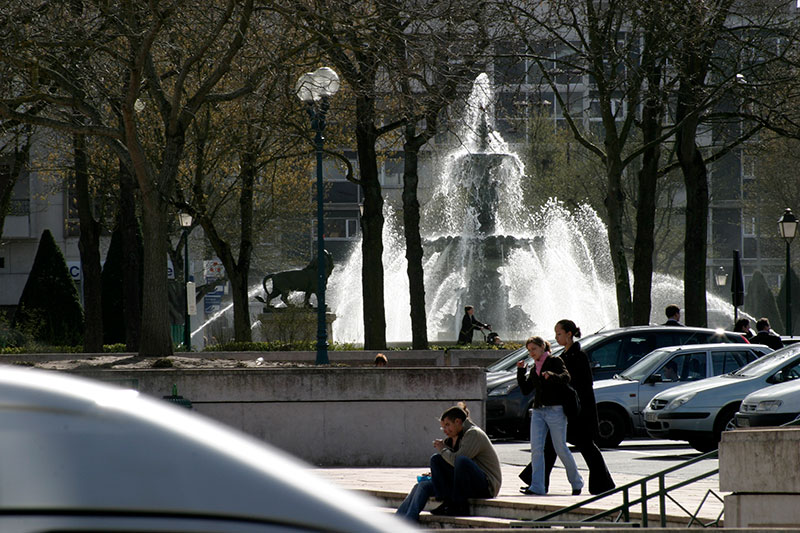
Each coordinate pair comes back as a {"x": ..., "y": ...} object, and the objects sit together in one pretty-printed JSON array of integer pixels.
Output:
[
  {"x": 761, "y": 468},
  {"x": 400, "y": 358},
  {"x": 326, "y": 416}
]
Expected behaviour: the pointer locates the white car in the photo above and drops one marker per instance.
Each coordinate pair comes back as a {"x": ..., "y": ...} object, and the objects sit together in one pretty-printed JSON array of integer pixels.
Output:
[
  {"x": 78, "y": 455},
  {"x": 772, "y": 406},
  {"x": 621, "y": 400},
  {"x": 699, "y": 412}
]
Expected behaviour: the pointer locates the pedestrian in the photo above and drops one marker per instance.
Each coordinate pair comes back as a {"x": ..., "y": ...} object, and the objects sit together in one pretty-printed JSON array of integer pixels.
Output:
[
  {"x": 673, "y": 313},
  {"x": 582, "y": 430},
  {"x": 766, "y": 336},
  {"x": 381, "y": 360},
  {"x": 547, "y": 376},
  {"x": 465, "y": 466},
  {"x": 743, "y": 326},
  {"x": 468, "y": 324}
]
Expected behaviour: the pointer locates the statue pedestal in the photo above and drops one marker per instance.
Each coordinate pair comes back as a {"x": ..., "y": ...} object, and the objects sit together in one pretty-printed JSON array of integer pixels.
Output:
[{"x": 293, "y": 324}]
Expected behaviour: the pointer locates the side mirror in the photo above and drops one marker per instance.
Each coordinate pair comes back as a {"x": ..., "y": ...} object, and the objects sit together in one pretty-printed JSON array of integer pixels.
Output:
[{"x": 653, "y": 378}]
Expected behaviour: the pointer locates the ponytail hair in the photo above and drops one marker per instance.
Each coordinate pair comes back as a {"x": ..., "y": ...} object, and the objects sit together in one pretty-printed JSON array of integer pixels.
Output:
[{"x": 570, "y": 327}]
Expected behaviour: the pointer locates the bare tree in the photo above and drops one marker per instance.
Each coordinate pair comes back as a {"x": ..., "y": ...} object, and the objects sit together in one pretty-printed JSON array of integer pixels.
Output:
[{"x": 134, "y": 54}]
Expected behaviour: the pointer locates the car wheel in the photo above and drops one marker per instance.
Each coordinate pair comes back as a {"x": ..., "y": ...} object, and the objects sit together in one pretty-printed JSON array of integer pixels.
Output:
[
  {"x": 703, "y": 445},
  {"x": 611, "y": 427},
  {"x": 725, "y": 421}
]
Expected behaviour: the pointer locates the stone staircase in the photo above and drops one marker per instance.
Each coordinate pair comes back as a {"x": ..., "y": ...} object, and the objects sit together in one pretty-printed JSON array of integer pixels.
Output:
[{"x": 499, "y": 514}]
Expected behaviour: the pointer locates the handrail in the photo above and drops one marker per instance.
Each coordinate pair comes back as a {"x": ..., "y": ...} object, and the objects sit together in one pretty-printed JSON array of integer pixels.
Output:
[
  {"x": 662, "y": 493},
  {"x": 627, "y": 503}
]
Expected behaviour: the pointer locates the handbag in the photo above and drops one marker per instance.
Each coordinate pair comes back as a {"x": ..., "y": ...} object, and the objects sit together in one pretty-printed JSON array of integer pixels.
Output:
[{"x": 572, "y": 403}]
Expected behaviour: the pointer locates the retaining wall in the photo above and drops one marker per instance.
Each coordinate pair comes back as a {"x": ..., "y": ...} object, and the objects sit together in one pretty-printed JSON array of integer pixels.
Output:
[
  {"x": 400, "y": 358},
  {"x": 325, "y": 416},
  {"x": 760, "y": 468}
]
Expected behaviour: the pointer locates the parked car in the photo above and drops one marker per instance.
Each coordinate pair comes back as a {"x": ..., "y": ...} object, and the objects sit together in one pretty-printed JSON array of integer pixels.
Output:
[
  {"x": 699, "y": 412},
  {"x": 79, "y": 455},
  {"x": 770, "y": 406},
  {"x": 610, "y": 352},
  {"x": 621, "y": 400}
]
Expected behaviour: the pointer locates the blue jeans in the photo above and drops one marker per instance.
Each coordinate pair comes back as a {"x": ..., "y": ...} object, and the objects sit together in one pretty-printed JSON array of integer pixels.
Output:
[
  {"x": 416, "y": 500},
  {"x": 551, "y": 417},
  {"x": 448, "y": 483}
]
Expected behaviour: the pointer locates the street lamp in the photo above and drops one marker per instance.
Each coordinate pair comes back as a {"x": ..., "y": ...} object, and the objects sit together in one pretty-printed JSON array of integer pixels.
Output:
[
  {"x": 315, "y": 88},
  {"x": 787, "y": 224},
  {"x": 186, "y": 223},
  {"x": 721, "y": 277}
]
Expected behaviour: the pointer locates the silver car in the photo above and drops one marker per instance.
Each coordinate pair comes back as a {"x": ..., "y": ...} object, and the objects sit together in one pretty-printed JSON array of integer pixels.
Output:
[
  {"x": 621, "y": 400},
  {"x": 83, "y": 456},
  {"x": 699, "y": 412}
]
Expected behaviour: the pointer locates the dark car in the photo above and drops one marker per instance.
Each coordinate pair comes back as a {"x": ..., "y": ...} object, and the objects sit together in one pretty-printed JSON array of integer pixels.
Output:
[{"x": 610, "y": 352}]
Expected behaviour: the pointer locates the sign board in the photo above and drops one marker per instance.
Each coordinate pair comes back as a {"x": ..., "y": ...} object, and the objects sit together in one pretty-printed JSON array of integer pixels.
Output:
[
  {"x": 75, "y": 270},
  {"x": 213, "y": 270},
  {"x": 191, "y": 299}
]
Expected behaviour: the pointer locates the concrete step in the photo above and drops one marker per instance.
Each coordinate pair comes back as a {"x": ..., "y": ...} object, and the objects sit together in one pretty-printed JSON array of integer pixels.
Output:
[{"x": 494, "y": 514}]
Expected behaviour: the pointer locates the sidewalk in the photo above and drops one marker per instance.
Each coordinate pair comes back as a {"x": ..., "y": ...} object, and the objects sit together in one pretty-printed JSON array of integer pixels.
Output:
[{"x": 392, "y": 484}]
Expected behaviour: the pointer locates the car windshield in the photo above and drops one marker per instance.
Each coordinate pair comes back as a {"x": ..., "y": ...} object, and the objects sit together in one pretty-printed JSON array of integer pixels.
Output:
[
  {"x": 646, "y": 365},
  {"x": 767, "y": 363},
  {"x": 508, "y": 362}
]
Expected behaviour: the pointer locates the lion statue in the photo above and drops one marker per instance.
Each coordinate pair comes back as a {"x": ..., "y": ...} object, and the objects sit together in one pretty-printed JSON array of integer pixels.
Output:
[{"x": 305, "y": 280}]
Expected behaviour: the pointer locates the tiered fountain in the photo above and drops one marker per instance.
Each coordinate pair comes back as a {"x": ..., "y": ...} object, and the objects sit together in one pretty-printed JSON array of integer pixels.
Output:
[{"x": 522, "y": 267}]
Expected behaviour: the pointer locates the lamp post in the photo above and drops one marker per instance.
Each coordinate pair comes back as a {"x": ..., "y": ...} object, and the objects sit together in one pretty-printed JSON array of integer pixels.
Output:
[
  {"x": 186, "y": 223},
  {"x": 315, "y": 88},
  {"x": 787, "y": 225}
]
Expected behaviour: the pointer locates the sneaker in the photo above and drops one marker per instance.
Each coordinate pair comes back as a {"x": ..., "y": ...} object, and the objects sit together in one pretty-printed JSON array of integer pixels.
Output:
[
  {"x": 461, "y": 509},
  {"x": 441, "y": 510}
]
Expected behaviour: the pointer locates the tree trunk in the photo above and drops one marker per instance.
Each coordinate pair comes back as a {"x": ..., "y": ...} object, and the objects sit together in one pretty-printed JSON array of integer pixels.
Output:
[
  {"x": 696, "y": 243},
  {"x": 7, "y": 181},
  {"x": 696, "y": 183},
  {"x": 414, "y": 252},
  {"x": 156, "y": 339},
  {"x": 371, "y": 227},
  {"x": 644, "y": 245},
  {"x": 132, "y": 259},
  {"x": 615, "y": 205},
  {"x": 89, "y": 247}
]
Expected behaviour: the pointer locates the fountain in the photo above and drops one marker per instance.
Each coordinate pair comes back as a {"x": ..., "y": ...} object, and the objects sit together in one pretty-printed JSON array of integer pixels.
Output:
[{"x": 523, "y": 267}]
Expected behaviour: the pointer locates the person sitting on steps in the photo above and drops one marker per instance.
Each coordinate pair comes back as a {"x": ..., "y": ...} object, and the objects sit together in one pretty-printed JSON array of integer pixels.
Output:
[{"x": 465, "y": 466}]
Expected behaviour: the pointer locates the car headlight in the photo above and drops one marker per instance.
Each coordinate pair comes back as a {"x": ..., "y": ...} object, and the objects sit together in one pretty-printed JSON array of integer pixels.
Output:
[
  {"x": 769, "y": 405},
  {"x": 680, "y": 400},
  {"x": 504, "y": 389}
]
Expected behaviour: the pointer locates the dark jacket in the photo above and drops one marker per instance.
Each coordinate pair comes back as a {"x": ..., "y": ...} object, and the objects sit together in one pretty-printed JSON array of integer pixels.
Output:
[
  {"x": 468, "y": 324},
  {"x": 768, "y": 338},
  {"x": 549, "y": 391},
  {"x": 577, "y": 363},
  {"x": 673, "y": 322}
]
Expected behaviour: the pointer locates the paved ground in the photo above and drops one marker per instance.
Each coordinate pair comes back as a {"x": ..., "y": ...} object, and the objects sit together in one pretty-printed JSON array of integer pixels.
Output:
[{"x": 629, "y": 463}]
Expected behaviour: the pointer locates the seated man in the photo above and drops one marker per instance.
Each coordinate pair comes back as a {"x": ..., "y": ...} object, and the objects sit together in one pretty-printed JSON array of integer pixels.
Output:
[{"x": 466, "y": 466}]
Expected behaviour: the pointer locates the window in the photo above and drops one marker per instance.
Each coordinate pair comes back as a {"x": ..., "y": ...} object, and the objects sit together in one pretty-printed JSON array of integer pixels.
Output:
[
  {"x": 341, "y": 228},
  {"x": 606, "y": 355},
  {"x": 726, "y": 362}
]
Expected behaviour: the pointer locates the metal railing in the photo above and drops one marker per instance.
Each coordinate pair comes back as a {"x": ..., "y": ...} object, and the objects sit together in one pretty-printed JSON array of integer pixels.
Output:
[{"x": 623, "y": 510}]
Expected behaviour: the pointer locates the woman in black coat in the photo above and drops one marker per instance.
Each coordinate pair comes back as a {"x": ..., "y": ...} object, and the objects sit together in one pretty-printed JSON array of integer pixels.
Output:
[{"x": 581, "y": 430}]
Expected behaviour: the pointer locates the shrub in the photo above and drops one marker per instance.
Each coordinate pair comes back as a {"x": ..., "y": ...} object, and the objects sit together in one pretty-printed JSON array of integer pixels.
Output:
[
  {"x": 49, "y": 309},
  {"x": 760, "y": 302}
]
